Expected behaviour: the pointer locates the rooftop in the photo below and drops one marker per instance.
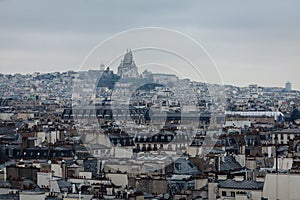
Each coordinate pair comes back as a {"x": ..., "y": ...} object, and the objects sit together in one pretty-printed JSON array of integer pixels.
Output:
[{"x": 245, "y": 184}]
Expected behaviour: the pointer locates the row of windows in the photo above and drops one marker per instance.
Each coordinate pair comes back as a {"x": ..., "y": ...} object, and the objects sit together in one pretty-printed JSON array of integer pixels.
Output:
[
  {"x": 40, "y": 154},
  {"x": 231, "y": 194},
  {"x": 155, "y": 138}
]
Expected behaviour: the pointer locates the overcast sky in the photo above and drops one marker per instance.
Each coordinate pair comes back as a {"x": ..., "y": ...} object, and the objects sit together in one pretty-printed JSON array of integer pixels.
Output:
[{"x": 251, "y": 42}]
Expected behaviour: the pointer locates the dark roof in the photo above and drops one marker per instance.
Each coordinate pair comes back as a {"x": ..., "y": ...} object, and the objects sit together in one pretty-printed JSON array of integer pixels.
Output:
[
  {"x": 295, "y": 114},
  {"x": 186, "y": 167},
  {"x": 123, "y": 140},
  {"x": 35, "y": 153},
  {"x": 38, "y": 152},
  {"x": 230, "y": 164},
  {"x": 80, "y": 148},
  {"x": 9, "y": 196},
  {"x": 31, "y": 183},
  {"x": 3, "y": 156},
  {"x": 91, "y": 166},
  {"x": 5, "y": 184},
  {"x": 52, "y": 198},
  {"x": 161, "y": 137},
  {"x": 58, "y": 152},
  {"x": 9, "y": 130},
  {"x": 245, "y": 184},
  {"x": 63, "y": 184},
  {"x": 287, "y": 131}
]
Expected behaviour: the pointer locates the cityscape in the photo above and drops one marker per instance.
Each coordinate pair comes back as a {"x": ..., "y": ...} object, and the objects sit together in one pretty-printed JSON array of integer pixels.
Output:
[
  {"x": 149, "y": 100},
  {"x": 169, "y": 138}
]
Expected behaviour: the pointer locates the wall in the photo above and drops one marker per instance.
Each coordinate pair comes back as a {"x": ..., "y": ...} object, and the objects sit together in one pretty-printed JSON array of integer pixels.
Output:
[
  {"x": 256, "y": 194},
  {"x": 284, "y": 186},
  {"x": 200, "y": 183},
  {"x": 283, "y": 163},
  {"x": 118, "y": 179},
  {"x": 5, "y": 116},
  {"x": 57, "y": 169},
  {"x": 154, "y": 186},
  {"x": 212, "y": 191},
  {"x": 43, "y": 179},
  {"x": 32, "y": 195}
]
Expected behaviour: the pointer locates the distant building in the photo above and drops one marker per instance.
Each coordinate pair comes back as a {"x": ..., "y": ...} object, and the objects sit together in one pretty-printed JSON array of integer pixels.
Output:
[
  {"x": 288, "y": 86},
  {"x": 281, "y": 186},
  {"x": 240, "y": 189},
  {"x": 102, "y": 67},
  {"x": 107, "y": 79},
  {"x": 254, "y": 116},
  {"x": 127, "y": 67},
  {"x": 165, "y": 79}
]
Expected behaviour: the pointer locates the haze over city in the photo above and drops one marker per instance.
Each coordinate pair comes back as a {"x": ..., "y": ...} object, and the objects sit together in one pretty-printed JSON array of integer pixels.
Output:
[{"x": 140, "y": 100}]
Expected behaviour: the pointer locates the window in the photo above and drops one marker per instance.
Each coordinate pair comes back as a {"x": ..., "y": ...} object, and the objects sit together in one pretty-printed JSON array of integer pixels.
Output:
[
  {"x": 223, "y": 193},
  {"x": 190, "y": 164},
  {"x": 144, "y": 147},
  {"x": 178, "y": 166},
  {"x": 232, "y": 194},
  {"x": 298, "y": 147}
]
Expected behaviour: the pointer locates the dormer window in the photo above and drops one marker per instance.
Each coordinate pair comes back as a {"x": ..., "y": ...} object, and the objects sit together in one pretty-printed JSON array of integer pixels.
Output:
[{"x": 178, "y": 166}]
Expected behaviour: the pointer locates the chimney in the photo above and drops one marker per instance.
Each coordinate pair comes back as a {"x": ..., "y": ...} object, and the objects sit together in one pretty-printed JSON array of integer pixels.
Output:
[
  {"x": 73, "y": 188},
  {"x": 238, "y": 178},
  {"x": 64, "y": 170}
]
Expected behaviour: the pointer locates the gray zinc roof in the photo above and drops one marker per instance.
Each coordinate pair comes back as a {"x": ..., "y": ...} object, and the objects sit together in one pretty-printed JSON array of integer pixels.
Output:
[
  {"x": 245, "y": 184},
  {"x": 230, "y": 164}
]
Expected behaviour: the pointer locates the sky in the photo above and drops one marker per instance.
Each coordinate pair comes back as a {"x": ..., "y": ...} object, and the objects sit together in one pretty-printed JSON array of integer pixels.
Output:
[{"x": 253, "y": 42}]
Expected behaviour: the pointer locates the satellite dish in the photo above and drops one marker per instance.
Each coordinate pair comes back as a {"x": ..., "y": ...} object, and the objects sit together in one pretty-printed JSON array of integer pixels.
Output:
[{"x": 49, "y": 162}]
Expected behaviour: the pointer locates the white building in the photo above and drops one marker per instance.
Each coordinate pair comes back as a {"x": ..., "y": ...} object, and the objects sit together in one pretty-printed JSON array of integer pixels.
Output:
[
  {"x": 282, "y": 186},
  {"x": 288, "y": 86},
  {"x": 127, "y": 67}
]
